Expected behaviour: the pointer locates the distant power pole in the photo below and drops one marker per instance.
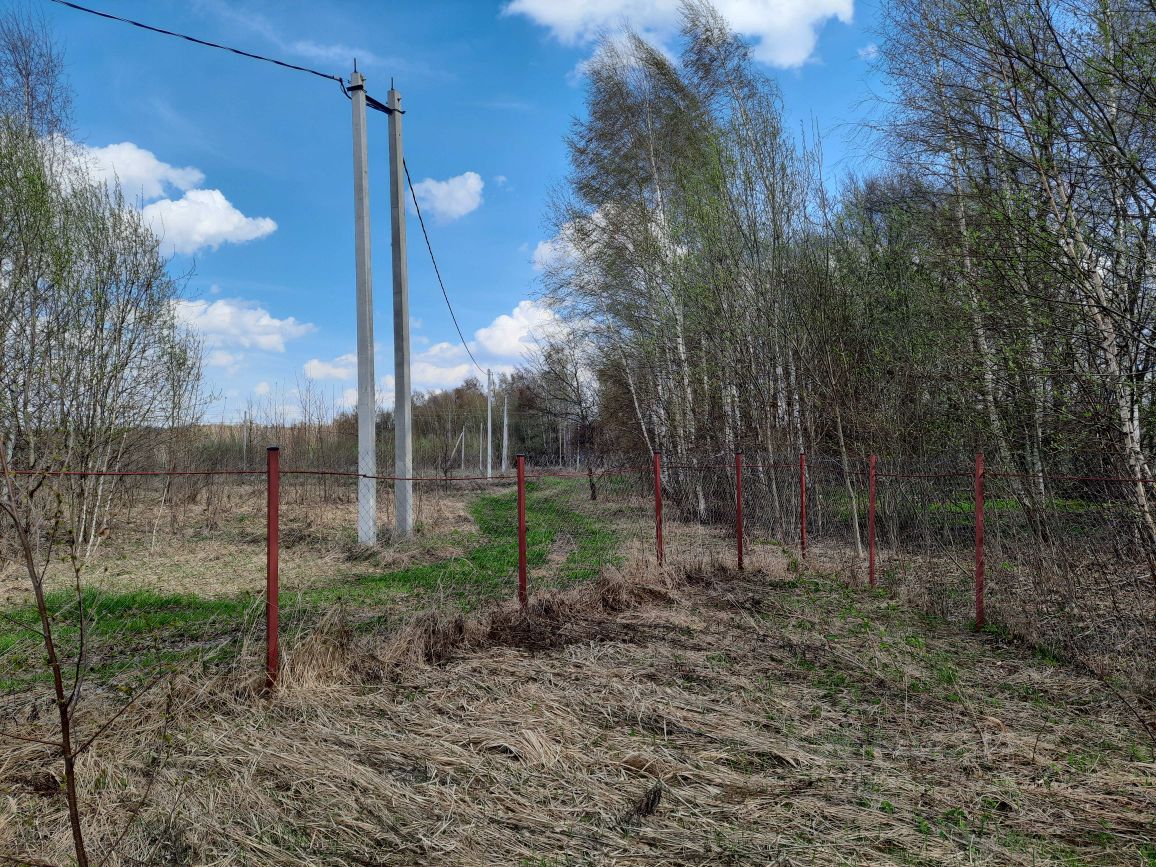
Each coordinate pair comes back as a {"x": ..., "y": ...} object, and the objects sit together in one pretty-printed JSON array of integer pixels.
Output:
[
  {"x": 489, "y": 424},
  {"x": 245, "y": 441},
  {"x": 481, "y": 445},
  {"x": 366, "y": 401},
  {"x": 403, "y": 422},
  {"x": 505, "y": 431}
]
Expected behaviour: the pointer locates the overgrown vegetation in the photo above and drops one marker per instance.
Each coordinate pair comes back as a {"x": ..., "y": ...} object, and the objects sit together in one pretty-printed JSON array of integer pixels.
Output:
[
  {"x": 684, "y": 717},
  {"x": 134, "y": 634}
]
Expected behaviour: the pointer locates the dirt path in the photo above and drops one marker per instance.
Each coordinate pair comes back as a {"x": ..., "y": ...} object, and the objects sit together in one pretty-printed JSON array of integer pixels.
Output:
[{"x": 753, "y": 720}]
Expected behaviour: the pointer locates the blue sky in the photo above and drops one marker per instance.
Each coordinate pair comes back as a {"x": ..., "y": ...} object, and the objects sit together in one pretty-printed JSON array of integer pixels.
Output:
[{"x": 247, "y": 168}]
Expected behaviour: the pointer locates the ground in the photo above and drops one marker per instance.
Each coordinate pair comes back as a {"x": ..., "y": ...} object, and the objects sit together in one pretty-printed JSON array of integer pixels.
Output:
[{"x": 687, "y": 715}]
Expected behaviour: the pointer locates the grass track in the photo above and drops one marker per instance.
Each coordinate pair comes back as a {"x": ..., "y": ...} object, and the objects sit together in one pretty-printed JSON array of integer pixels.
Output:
[{"x": 133, "y": 632}]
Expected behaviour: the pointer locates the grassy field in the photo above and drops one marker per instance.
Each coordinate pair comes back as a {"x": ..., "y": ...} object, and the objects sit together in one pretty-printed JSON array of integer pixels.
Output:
[
  {"x": 132, "y": 632},
  {"x": 675, "y": 718},
  {"x": 688, "y": 715}
]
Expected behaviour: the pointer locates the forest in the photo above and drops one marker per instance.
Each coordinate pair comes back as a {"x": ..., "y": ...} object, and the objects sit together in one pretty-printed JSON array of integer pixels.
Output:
[{"x": 985, "y": 286}]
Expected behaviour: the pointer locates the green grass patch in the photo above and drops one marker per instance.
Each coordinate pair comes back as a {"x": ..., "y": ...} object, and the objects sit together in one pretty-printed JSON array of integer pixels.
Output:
[{"x": 140, "y": 630}]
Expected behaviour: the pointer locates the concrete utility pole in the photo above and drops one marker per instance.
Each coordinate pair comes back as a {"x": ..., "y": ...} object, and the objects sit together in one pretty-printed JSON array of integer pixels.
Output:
[
  {"x": 489, "y": 424},
  {"x": 245, "y": 441},
  {"x": 366, "y": 401},
  {"x": 403, "y": 430},
  {"x": 505, "y": 431}
]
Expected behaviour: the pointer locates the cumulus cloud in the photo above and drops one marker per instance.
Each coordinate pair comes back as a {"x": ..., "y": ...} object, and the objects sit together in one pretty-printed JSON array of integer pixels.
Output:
[
  {"x": 203, "y": 218},
  {"x": 441, "y": 365},
  {"x": 869, "y": 52},
  {"x": 199, "y": 219},
  {"x": 444, "y": 352},
  {"x": 342, "y": 367},
  {"x": 783, "y": 32},
  {"x": 512, "y": 334},
  {"x": 452, "y": 198},
  {"x": 231, "y": 323},
  {"x": 427, "y": 375},
  {"x": 139, "y": 171}
]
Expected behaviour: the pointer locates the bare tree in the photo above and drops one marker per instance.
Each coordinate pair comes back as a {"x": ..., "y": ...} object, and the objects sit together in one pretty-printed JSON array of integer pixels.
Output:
[{"x": 92, "y": 364}]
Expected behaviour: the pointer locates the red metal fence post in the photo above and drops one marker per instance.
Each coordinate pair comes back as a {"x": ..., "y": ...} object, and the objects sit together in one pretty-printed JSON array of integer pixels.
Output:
[
  {"x": 871, "y": 521},
  {"x": 739, "y": 506},
  {"x": 803, "y": 503},
  {"x": 979, "y": 560},
  {"x": 658, "y": 505},
  {"x": 272, "y": 564},
  {"x": 523, "y": 593}
]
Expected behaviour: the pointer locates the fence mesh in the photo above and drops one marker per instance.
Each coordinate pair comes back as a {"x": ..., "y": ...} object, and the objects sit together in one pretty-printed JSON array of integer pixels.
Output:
[{"x": 172, "y": 565}]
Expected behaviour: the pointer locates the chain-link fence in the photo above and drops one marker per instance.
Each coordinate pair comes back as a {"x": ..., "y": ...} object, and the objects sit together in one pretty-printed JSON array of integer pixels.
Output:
[{"x": 150, "y": 570}]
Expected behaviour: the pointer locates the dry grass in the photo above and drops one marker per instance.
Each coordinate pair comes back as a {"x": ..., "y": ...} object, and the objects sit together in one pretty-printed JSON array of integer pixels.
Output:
[
  {"x": 693, "y": 716},
  {"x": 213, "y": 545},
  {"x": 1097, "y": 612}
]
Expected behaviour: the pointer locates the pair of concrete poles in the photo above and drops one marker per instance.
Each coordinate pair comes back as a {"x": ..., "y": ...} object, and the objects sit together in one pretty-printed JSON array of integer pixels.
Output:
[{"x": 366, "y": 398}]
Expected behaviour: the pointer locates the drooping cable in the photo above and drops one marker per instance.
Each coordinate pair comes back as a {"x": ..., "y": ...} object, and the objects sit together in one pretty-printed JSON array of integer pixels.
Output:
[
  {"x": 437, "y": 270},
  {"x": 205, "y": 42}
]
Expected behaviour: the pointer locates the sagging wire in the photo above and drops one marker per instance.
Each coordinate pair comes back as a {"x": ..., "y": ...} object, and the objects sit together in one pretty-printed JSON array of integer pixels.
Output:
[{"x": 437, "y": 270}]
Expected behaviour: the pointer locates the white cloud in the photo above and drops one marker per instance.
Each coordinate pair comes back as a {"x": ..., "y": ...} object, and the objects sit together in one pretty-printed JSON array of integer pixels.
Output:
[
  {"x": 333, "y": 52},
  {"x": 869, "y": 52},
  {"x": 349, "y": 398},
  {"x": 221, "y": 358},
  {"x": 231, "y": 323},
  {"x": 783, "y": 32},
  {"x": 443, "y": 352},
  {"x": 342, "y": 367},
  {"x": 261, "y": 389},
  {"x": 139, "y": 171},
  {"x": 199, "y": 219},
  {"x": 452, "y": 198},
  {"x": 549, "y": 253},
  {"x": 440, "y": 366},
  {"x": 427, "y": 375},
  {"x": 203, "y": 218},
  {"x": 511, "y": 335},
  {"x": 501, "y": 180}
]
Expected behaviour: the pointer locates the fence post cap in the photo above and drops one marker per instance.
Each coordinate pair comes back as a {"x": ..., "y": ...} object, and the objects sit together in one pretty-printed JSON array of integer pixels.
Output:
[{"x": 273, "y": 448}]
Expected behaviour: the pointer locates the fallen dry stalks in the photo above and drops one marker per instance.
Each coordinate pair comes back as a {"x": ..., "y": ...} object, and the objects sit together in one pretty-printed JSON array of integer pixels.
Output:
[{"x": 681, "y": 717}]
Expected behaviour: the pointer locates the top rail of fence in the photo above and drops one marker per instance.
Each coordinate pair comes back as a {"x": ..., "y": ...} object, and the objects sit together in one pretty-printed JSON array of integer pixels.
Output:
[{"x": 854, "y": 468}]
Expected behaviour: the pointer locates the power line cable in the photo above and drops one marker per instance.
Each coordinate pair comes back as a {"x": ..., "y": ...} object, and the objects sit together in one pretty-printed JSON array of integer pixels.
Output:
[
  {"x": 437, "y": 270},
  {"x": 205, "y": 42},
  {"x": 372, "y": 103}
]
